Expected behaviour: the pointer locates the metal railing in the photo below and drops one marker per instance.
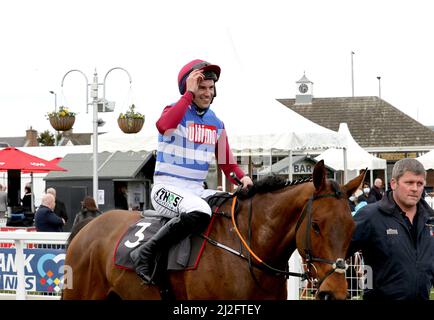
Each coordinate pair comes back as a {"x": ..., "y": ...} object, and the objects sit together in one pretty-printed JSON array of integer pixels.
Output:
[{"x": 31, "y": 241}]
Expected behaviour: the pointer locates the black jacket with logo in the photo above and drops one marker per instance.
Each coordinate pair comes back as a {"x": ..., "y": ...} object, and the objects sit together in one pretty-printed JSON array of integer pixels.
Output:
[{"x": 402, "y": 265}]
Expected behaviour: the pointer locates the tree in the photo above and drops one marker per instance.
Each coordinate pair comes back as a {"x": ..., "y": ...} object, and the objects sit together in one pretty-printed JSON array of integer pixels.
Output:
[{"x": 46, "y": 138}]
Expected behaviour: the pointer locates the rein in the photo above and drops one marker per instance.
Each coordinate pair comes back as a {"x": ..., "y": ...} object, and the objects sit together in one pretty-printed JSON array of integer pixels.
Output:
[{"x": 304, "y": 275}]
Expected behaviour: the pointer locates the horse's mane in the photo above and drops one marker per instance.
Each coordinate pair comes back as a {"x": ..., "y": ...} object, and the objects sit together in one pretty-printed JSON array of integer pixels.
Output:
[{"x": 269, "y": 183}]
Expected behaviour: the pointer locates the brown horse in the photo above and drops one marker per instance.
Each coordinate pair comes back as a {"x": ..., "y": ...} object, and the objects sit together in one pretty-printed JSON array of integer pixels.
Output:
[{"x": 313, "y": 217}]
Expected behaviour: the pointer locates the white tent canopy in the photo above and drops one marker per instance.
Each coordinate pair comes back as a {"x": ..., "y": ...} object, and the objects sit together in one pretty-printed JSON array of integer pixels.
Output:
[
  {"x": 357, "y": 157},
  {"x": 274, "y": 126},
  {"x": 427, "y": 160},
  {"x": 271, "y": 126}
]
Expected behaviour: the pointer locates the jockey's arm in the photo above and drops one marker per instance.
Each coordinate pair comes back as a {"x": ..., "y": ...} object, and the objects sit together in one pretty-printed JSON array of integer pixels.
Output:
[
  {"x": 172, "y": 115},
  {"x": 227, "y": 163}
]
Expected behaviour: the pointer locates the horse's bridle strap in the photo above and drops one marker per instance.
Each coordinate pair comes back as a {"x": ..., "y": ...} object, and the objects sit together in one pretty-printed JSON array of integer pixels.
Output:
[
  {"x": 283, "y": 272},
  {"x": 339, "y": 265}
]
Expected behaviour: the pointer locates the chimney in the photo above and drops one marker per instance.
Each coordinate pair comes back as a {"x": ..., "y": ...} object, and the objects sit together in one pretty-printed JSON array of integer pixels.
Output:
[{"x": 31, "y": 138}]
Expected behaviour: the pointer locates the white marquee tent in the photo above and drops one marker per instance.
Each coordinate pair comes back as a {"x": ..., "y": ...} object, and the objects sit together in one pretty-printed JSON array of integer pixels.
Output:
[
  {"x": 357, "y": 157},
  {"x": 267, "y": 125},
  {"x": 263, "y": 126},
  {"x": 427, "y": 160}
]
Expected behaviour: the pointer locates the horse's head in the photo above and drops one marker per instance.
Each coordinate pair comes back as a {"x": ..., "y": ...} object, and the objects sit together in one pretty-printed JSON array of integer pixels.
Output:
[{"x": 324, "y": 232}]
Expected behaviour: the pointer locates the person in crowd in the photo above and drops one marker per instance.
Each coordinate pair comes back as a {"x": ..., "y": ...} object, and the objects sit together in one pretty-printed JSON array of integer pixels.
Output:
[
  {"x": 3, "y": 202},
  {"x": 88, "y": 210},
  {"x": 60, "y": 208},
  {"x": 376, "y": 192},
  {"x": 185, "y": 127},
  {"x": 45, "y": 218},
  {"x": 121, "y": 198},
  {"x": 396, "y": 239},
  {"x": 26, "y": 201},
  {"x": 363, "y": 197},
  {"x": 352, "y": 202},
  {"x": 356, "y": 204}
]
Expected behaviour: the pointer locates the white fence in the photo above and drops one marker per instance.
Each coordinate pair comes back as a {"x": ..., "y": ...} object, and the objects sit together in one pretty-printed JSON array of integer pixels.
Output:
[
  {"x": 21, "y": 240},
  {"x": 302, "y": 289}
]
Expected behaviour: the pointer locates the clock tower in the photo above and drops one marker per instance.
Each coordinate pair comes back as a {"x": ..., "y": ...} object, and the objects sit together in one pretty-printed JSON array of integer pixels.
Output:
[{"x": 304, "y": 89}]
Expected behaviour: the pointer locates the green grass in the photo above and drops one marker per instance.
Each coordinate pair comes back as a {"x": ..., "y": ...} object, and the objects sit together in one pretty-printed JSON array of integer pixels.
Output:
[{"x": 431, "y": 297}]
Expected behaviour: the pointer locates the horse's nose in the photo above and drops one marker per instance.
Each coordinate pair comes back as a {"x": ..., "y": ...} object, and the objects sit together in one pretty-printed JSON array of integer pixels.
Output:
[{"x": 326, "y": 295}]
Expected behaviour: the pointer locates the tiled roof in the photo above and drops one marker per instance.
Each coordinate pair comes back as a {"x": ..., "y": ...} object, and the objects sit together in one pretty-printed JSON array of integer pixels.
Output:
[
  {"x": 372, "y": 121},
  {"x": 14, "y": 141},
  {"x": 77, "y": 139},
  {"x": 119, "y": 165}
]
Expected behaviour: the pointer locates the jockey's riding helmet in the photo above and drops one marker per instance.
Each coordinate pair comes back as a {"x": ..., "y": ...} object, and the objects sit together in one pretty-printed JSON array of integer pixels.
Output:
[{"x": 210, "y": 72}]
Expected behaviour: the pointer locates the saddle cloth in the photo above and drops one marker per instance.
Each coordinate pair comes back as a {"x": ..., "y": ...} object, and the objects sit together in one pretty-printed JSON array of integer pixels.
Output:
[{"x": 183, "y": 255}]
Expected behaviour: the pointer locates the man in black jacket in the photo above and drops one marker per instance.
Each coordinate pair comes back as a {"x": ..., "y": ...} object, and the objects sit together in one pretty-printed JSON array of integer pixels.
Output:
[
  {"x": 59, "y": 209},
  {"x": 376, "y": 193},
  {"x": 45, "y": 218},
  {"x": 396, "y": 239}
]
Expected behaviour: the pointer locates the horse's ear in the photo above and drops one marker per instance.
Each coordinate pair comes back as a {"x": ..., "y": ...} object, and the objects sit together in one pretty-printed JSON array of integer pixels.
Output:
[
  {"x": 319, "y": 175},
  {"x": 352, "y": 185}
]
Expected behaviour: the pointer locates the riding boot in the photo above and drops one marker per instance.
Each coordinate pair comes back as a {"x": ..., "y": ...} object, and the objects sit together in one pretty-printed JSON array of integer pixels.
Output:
[{"x": 172, "y": 232}]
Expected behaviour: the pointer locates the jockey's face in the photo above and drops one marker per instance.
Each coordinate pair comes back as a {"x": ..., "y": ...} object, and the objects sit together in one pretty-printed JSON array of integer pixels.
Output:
[{"x": 204, "y": 94}]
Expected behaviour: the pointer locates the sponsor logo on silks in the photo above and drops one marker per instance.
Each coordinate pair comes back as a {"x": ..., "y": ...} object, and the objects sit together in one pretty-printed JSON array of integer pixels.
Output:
[
  {"x": 168, "y": 199},
  {"x": 201, "y": 133},
  {"x": 391, "y": 231}
]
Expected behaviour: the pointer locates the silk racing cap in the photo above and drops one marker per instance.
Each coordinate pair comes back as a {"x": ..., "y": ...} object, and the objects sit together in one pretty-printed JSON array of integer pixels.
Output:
[{"x": 210, "y": 72}]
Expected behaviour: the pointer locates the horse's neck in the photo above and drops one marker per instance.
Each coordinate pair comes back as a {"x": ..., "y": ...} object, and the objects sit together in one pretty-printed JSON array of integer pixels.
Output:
[{"x": 273, "y": 219}]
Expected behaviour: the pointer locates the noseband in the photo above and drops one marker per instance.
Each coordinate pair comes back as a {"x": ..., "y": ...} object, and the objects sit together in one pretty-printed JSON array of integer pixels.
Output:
[{"x": 339, "y": 265}]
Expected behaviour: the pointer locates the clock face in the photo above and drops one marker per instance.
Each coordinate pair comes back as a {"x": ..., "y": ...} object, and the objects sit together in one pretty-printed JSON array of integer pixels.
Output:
[{"x": 303, "y": 88}]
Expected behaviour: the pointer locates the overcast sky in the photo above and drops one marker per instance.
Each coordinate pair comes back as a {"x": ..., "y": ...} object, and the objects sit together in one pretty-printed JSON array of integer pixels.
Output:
[{"x": 263, "y": 47}]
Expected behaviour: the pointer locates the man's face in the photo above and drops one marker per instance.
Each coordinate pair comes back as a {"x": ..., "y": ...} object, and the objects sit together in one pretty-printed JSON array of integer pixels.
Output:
[
  {"x": 378, "y": 183},
  {"x": 408, "y": 189},
  {"x": 204, "y": 94}
]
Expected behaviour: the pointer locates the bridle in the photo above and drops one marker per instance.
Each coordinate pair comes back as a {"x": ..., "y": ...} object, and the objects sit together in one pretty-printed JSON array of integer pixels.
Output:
[{"x": 339, "y": 265}]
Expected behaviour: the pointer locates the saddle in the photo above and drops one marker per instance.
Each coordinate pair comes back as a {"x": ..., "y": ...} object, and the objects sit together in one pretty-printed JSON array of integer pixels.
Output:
[{"x": 184, "y": 255}]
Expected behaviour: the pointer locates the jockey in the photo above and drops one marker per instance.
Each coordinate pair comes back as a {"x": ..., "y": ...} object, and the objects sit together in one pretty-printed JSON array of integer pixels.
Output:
[{"x": 189, "y": 135}]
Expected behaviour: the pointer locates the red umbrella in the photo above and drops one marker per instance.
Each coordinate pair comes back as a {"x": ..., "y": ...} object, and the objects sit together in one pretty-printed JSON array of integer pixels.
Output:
[
  {"x": 54, "y": 161},
  {"x": 13, "y": 159}
]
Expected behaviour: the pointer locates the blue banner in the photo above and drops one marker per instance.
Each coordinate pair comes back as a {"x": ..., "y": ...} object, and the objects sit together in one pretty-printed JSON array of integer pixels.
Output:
[{"x": 43, "y": 269}]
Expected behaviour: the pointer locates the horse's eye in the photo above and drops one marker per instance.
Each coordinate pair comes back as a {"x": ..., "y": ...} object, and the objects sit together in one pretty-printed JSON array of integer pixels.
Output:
[{"x": 315, "y": 227}]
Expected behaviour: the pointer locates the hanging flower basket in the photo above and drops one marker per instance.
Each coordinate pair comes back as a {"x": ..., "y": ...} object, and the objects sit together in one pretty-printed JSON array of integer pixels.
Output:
[
  {"x": 61, "y": 120},
  {"x": 131, "y": 121},
  {"x": 62, "y": 123}
]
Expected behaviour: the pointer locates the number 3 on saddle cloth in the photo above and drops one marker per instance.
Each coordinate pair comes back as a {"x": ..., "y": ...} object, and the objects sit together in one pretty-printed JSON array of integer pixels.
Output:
[
  {"x": 180, "y": 256},
  {"x": 184, "y": 255}
]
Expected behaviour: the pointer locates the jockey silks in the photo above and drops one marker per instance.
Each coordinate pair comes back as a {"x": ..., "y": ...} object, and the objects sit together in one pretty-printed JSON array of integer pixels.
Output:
[{"x": 186, "y": 152}]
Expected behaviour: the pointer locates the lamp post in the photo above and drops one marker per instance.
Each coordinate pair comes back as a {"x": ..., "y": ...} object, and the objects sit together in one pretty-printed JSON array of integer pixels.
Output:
[
  {"x": 55, "y": 110},
  {"x": 95, "y": 101},
  {"x": 55, "y": 100}
]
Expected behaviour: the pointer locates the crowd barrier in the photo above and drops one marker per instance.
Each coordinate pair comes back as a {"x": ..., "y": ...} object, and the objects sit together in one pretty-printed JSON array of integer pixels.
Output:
[{"x": 31, "y": 263}]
